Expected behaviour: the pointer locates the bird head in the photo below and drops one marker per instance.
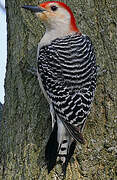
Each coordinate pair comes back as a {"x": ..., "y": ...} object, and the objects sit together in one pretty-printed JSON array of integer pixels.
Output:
[{"x": 55, "y": 15}]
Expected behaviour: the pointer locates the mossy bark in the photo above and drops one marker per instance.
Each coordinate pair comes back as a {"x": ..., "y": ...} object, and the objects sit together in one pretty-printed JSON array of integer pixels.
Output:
[{"x": 26, "y": 125}]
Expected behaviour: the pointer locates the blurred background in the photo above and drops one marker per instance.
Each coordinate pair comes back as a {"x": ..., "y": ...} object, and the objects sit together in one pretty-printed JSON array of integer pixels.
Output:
[{"x": 3, "y": 48}]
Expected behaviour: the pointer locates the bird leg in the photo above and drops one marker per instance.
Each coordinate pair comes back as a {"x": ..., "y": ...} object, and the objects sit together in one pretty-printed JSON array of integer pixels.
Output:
[{"x": 32, "y": 70}]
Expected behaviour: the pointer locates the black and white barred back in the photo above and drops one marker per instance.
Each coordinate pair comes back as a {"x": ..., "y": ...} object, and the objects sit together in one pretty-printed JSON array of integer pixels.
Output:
[{"x": 67, "y": 68}]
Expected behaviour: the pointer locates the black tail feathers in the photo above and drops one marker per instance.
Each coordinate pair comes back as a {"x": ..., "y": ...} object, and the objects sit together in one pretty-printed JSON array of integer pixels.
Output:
[
  {"x": 51, "y": 149},
  {"x": 69, "y": 155}
]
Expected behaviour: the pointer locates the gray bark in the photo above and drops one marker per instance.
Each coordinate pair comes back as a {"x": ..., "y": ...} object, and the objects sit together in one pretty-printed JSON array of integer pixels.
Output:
[
  {"x": 26, "y": 125},
  {"x": 1, "y": 111}
]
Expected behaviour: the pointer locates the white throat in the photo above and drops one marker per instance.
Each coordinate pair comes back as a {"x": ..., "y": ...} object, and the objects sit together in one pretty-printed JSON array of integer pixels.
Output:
[
  {"x": 52, "y": 34},
  {"x": 56, "y": 27}
]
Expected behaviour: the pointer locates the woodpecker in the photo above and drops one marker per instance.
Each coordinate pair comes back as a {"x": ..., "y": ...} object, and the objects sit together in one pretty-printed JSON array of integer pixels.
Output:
[{"x": 67, "y": 76}]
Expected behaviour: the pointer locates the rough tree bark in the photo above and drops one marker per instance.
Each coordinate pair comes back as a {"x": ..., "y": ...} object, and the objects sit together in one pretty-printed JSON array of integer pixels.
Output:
[{"x": 26, "y": 125}]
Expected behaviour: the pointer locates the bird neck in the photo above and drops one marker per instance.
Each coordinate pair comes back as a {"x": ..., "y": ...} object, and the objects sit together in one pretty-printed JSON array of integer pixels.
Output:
[{"x": 54, "y": 32}]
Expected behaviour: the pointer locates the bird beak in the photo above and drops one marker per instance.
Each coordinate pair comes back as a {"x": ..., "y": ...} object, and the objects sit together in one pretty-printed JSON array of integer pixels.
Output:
[{"x": 35, "y": 9}]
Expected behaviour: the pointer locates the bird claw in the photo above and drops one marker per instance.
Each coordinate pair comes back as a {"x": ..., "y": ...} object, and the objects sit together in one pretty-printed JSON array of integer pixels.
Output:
[
  {"x": 100, "y": 71},
  {"x": 32, "y": 70}
]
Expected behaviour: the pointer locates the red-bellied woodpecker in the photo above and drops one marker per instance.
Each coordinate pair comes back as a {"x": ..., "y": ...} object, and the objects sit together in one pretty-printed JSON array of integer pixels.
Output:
[{"x": 67, "y": 77}]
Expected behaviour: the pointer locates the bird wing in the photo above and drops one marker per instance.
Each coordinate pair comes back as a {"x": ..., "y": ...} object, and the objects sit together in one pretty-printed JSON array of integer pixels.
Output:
[{"x": 68, "y": 72}]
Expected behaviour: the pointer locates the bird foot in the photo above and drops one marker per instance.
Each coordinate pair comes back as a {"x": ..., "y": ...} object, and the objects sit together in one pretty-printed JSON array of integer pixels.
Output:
[
  {"x": 32, "y": 70},
  {"x": 100, "y": 71}
]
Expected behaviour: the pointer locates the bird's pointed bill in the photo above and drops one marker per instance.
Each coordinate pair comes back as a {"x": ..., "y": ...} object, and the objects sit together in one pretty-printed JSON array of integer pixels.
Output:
[{"x": 35, "y": 9}]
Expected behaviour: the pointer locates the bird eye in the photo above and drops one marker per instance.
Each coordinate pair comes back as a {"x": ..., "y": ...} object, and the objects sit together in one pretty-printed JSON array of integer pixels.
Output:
[{"x": 54, "y": 8}]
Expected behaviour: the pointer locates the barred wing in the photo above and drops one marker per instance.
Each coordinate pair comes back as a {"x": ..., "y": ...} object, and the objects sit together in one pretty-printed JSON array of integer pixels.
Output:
[{"x": 68, "y": 73}]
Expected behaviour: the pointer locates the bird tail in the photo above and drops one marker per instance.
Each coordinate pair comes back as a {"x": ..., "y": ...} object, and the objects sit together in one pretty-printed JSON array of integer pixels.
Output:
[
  {"x": 75, "y": 132},
  {"x": 51, "y": 149},
  {"x": 60, "y": 147}
]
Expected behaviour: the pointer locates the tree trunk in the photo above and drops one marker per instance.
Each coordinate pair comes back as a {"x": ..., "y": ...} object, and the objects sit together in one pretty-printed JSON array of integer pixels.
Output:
[{"x": 26, "y": 125}]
